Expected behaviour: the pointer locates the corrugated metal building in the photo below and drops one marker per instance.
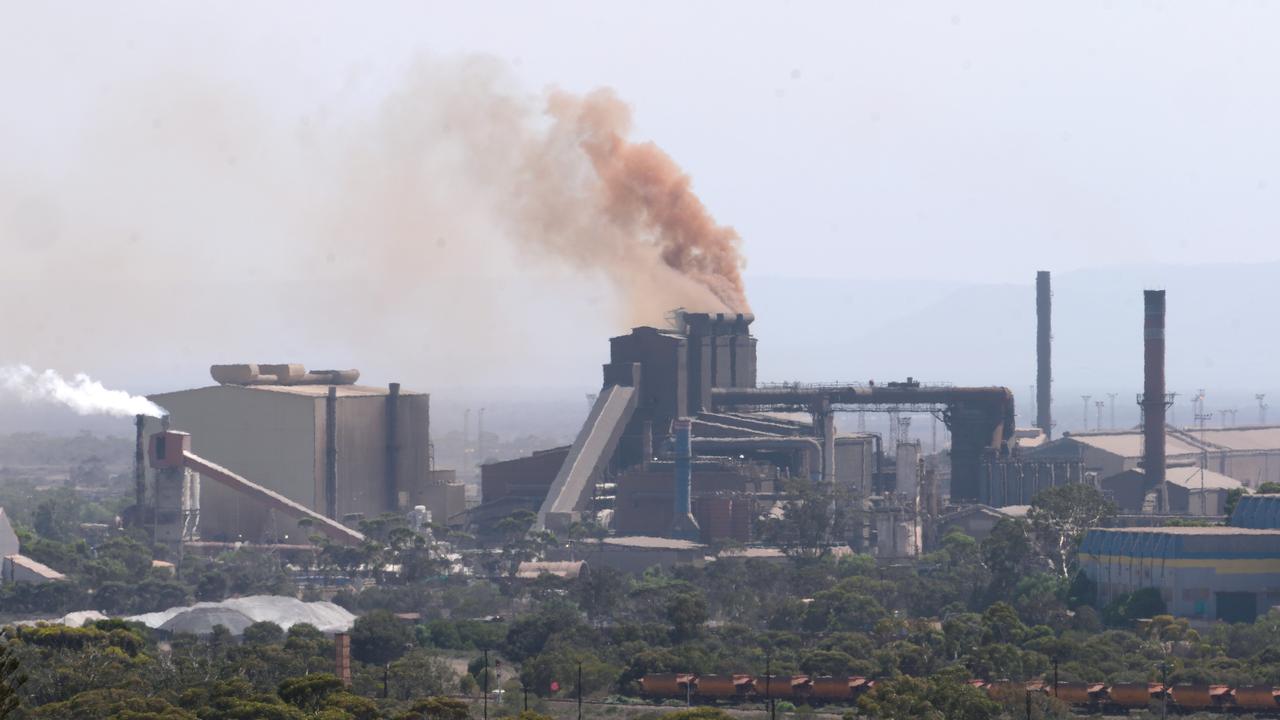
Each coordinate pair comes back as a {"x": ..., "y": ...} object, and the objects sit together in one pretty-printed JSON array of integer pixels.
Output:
[
  {"x": 278, "y": 436},
  {"x": 1257, "y": 511},
  {"x": 1191, "y": 490},
  {"x": 1248, "y": 454},
  {"x": 1207, "y": 573}
]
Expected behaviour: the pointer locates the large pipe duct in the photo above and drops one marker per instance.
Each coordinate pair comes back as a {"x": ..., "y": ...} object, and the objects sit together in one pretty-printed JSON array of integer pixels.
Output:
[
  {"x": 682, "y": 523},
  {"x": 1153, "y": 396},
  {"x": 811, "y": 447},
  {"x": 980, "y": 418},
  {"x": 1044, "y": 344}
]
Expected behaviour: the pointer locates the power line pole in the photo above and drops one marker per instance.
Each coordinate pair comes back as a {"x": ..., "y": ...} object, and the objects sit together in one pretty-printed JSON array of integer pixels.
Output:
[{"x": 1086, "y": 399}]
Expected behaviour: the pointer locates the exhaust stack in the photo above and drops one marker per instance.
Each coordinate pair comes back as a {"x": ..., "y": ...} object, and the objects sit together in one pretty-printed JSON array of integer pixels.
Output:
[
  {"x": 1153, "y": 396},
  {"x": 1044, "y": 343}
]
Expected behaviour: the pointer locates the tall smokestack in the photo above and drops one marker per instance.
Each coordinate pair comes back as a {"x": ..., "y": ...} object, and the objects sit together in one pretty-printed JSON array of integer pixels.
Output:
[
  {"x": 139, "y": 467},
  {"x": 1044, "y": 343},
  {"x": 1153, "y": 403},
  {"x": 342, "y": 657}
]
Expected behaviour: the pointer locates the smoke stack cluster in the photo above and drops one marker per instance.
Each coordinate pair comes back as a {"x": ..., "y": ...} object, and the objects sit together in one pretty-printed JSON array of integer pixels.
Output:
[
  {"x": 1044, "y": 365},
  {"x": 1153, "y": 403}
]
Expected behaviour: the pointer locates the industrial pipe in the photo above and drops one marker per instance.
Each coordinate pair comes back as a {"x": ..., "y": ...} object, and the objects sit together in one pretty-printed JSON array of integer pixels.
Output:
[
  {"x": 810, "y": 446},
  {"x": 682, "y": 523}
]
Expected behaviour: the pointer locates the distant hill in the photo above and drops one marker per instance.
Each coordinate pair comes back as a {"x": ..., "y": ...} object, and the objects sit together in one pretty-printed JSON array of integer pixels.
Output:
[{"x": 1222, "y": 333}]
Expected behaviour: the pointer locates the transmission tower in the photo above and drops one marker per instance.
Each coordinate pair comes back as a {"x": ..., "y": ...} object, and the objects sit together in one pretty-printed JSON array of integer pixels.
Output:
[
  {"x": 1262, "y": 408},
  {"x": 1086, "y": 399},
  {"x": 1111, "y": 398},
  {"x": 1099, "y": 404}
]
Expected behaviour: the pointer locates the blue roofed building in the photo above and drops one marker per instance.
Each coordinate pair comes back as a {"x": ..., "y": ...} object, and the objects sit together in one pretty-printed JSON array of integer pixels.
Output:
[
  {"x": 1257, "y": 511},
  {"x": 1205, "y": 573}
]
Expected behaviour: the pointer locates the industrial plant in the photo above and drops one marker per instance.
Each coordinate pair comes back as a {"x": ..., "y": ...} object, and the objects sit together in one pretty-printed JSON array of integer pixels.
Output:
[{"x": 686, "y": 452}]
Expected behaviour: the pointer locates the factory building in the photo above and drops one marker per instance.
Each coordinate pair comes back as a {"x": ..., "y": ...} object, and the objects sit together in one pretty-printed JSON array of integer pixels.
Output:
[
  {"x": 700, "y": 374},
  {"x": 1187, "y": 490},
  {"x": 343, "y": 450},
  {"x": 722, "y": 492},
  {"x": 16, "y": 567},
  {"x": 1204, "y": 573},
  {"x": 1248, "y": 454},
  {"x": 508, "y": 486}
]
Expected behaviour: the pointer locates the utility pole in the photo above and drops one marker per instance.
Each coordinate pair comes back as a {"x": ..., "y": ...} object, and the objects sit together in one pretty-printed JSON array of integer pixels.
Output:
[
  {"x": 1086, "y": 399},
  {"x": 1262, "y": 408},
  {"x": 1164, "y": 690},
  {"x": 580, "y": 690},
  {"x": 768, "y": 682},
  {"x": 486, "y": 680},
  {"x": 1111, "y": 398}
]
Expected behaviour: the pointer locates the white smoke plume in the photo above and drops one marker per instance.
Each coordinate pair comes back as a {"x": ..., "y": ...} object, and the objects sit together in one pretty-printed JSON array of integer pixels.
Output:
[{"x": 82, "y": 393}]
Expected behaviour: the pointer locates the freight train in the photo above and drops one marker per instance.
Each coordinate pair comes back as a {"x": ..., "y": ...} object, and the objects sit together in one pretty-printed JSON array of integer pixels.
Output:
[{"x": 1081, "y": 696}]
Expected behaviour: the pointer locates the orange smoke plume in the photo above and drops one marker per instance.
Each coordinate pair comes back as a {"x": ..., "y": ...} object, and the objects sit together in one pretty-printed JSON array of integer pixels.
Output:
[{"x": 648, "y": 196}]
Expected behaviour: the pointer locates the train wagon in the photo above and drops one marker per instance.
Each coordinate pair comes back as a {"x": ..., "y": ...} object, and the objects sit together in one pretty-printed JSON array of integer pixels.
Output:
[
  {"x": 1133, "y": 695},
  {"x": 831, "y": 689},
  {"x": 1080, "y": 694},
  {"x": 1256, "y": 698},
  {"x": 667, "y": 685},
  {"x": 720, "y": 687},
  {"x": 1196, "y": 697},
  {"x": 1092, "y": 697}
]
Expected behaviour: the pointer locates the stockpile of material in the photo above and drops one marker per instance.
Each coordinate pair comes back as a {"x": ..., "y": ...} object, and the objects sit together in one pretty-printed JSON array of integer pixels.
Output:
[{"x": 281, "y": 610}]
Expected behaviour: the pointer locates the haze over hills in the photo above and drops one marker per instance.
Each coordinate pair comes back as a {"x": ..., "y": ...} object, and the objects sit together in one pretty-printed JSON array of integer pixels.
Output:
[
  {"x": 1221, "y": 334},
  {"x": 1222, "y": 337}
]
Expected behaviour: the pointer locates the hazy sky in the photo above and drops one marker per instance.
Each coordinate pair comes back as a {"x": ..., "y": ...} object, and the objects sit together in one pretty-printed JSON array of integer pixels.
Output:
[
  {"x": 949, "y": 144},
  {"x": 982, "y": 140}
]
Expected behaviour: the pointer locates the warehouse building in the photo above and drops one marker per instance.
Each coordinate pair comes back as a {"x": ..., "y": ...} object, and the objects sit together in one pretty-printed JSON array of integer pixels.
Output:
[
  {"x": 1248, "y": 454},
  {"x": 343, "y": 450},
  {"x": 1204, "y": 573},
  {"x": 1187, "y": 490}
]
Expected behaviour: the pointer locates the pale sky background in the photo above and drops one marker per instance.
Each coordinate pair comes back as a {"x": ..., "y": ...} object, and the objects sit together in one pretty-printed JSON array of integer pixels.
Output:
[
  {"x": 981, "y": 140},
  {"x": 945, "y": 144}
]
